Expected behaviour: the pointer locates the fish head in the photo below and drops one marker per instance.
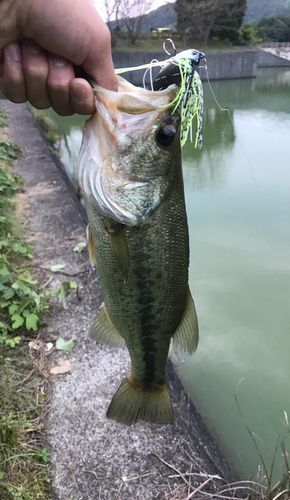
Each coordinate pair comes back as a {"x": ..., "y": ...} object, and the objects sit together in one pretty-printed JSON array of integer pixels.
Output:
[{"x": 130, "y": 151}]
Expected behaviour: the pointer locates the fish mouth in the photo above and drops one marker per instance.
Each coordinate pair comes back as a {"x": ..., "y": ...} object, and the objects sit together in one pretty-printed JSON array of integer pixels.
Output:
[{"x": 104, "y": 169}]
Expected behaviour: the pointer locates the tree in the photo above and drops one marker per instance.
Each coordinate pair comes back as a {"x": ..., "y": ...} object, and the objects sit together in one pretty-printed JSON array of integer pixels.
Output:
[
  {"x": 229, "y": 20},
  {"x": 112, "y": 11},
  {"x": 249, "y": 34},
  {"x": 203, "y": 19},
  {"x": 128, "y": 16},
  {"x": 132, "y": 11},
  {"x": 274, "y": 29}
]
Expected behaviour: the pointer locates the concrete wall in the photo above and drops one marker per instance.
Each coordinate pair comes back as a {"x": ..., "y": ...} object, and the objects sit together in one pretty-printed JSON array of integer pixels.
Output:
[
  {"x": 221, "y": 64},
  {"x": 225, "y": 65},
  {"x": 267, "y": 60}
]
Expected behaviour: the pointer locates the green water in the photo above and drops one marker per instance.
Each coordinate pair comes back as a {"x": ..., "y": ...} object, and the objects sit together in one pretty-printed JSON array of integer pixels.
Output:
[{"x": 238, "y": 209}]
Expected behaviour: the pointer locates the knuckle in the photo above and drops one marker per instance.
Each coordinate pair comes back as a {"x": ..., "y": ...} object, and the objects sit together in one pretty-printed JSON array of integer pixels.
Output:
[
  {"x": 58, "y": 87},
  {"x": 35, "y": 72}
]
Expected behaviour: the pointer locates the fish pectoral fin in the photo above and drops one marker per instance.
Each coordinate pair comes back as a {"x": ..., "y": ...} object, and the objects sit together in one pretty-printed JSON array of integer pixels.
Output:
[
  {"x": 131, "y": 404},
  {"x": 185, "y": 339},
  {"x": 92, "y": 255},
  {"x": 104, "y": 332},
  {"x": 120, "y": 250}
]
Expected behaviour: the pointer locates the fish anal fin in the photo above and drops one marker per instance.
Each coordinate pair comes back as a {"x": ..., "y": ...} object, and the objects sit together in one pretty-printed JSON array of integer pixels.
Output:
[
  {"x": 104, "y": 332},
  {"x": 120, "y": 249},
  {"x": 185, "y": 339},
  {"x": 131, "y": 404},
  {"x": 92, "y": 255}
]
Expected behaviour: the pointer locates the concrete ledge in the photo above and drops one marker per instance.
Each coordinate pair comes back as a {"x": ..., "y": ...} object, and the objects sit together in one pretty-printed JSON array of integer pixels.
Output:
[{"x": 93, "y": 458}]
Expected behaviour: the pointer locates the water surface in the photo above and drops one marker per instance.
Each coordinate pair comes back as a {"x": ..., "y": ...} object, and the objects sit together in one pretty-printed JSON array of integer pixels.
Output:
[{"x": 238, "y": 204}]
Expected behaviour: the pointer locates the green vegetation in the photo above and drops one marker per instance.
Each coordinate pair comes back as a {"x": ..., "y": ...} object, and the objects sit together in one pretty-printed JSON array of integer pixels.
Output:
[
  {"x": 23, "y": 474},
  {"x": 47, "y": 125},
  {"x": 258, "y": 9},
  {"x": 249, "y": 35},
  {"x": 274, "y": 29}
]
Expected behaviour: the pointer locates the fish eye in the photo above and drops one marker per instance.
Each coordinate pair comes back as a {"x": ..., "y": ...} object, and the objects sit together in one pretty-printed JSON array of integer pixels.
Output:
[{"x": 165, "y": 135}]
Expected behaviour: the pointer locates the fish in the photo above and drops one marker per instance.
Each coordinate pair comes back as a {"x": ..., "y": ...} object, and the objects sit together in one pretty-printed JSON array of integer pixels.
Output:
[{"x": 130, "y": 175}]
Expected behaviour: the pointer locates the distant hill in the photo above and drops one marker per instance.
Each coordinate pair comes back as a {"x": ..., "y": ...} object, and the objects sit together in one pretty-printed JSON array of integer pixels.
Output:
[
  {"x": 257, "y": 9},
  {"x": 163, "y": 17}
]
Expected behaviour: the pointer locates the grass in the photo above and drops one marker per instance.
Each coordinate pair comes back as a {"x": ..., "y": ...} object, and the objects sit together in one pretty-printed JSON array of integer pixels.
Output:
[{"x": 23, "y": 470}]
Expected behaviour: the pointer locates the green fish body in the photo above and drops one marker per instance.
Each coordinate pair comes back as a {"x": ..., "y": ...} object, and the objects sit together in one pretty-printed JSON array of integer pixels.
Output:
[{"x": 133, "y": 188}]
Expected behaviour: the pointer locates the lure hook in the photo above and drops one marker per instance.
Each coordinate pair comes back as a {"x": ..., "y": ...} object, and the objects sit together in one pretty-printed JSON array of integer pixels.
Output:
[{"x": 172, "y": 45}]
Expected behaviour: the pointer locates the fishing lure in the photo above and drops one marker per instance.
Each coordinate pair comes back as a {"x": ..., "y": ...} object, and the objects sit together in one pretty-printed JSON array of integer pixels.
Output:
[{"x": 180, "y": 69}]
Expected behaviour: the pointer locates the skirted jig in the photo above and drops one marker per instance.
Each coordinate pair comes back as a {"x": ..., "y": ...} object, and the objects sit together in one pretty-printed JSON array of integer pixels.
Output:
[{"x": 180, "y": 69}]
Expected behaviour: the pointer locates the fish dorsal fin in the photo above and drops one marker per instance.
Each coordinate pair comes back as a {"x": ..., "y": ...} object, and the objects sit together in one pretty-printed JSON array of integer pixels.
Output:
[
  {"x": 120, "y": 249},
  {"x": 185, "y": 339},
  {"x": 92, "y": 255},
  {"x": 104, "y": 332}
]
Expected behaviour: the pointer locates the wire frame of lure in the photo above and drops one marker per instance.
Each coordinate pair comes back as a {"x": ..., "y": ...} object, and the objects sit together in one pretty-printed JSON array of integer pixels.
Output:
[{"x": 180, "y": 69}]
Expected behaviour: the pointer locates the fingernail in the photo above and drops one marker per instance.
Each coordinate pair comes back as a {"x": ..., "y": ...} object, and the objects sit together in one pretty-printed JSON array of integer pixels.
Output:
[
  {"x": 31, "y": 46},
  {"x": 57, "y": 61},
  {"x": 80, "y": 93},
  {"x": 13, "y": 51}
]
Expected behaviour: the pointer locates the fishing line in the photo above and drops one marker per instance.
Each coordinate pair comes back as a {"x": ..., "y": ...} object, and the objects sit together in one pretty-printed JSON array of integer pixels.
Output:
[
  {"x": 149, "y": 70},
  {"x": 233, "y": 125}
]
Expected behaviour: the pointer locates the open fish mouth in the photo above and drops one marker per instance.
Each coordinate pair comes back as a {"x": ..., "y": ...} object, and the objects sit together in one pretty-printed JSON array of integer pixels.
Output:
[{"x": 109, "y": 170}]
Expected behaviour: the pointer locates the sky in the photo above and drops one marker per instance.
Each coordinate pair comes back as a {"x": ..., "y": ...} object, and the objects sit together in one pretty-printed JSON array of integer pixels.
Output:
[{"x": 99, "y": 4}]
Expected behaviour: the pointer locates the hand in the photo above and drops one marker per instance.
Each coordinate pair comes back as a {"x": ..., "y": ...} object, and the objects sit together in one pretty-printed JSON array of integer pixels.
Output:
[{"x": 41, "y": 44}]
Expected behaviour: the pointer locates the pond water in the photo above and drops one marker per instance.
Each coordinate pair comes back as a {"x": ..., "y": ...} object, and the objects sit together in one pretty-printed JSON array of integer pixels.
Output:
[{"x": 238, "y": 204}]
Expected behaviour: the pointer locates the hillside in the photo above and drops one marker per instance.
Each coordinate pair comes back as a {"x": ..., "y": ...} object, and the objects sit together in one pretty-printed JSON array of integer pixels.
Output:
[
  {"x": 165, "y": 15},
  {"x": 162, "y": 17},
  {"x": 257, "y": 9}
]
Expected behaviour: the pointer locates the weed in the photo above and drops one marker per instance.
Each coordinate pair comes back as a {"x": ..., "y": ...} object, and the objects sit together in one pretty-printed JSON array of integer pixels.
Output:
[
  {"x": 8, "y": 151},
  {"x": 47, "y": 125},
  {"x": 2, "y": 119},
  {"x": 21, "y": 458},
  {"x": 22, "y": 302}
]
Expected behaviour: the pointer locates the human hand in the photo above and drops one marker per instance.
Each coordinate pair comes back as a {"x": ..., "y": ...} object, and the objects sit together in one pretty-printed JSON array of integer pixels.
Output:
[{"x": 41, "y": 43}]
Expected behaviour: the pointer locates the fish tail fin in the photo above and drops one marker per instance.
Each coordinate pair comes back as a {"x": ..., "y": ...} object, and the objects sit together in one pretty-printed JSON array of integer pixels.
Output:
[{"x": 131, "y": 404}]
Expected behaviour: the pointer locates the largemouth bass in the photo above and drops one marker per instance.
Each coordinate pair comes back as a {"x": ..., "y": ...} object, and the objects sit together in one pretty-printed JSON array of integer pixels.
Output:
[{"x": 129, "y": 171}]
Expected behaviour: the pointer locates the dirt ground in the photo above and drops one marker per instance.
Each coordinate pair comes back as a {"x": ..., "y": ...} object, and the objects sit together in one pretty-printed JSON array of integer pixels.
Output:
[{"x": 94, "y": 458}]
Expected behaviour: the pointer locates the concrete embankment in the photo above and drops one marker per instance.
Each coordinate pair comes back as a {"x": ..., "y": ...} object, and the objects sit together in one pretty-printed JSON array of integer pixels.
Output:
[
  {"x": 268, "y": 60},
  {"x": 93, "y": 458},
  {"x": 222, "y": 65}
]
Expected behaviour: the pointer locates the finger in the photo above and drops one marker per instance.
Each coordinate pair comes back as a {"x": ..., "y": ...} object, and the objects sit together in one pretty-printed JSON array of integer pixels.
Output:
[
  {"x": 82, "y": 97},
  {"x": 13, "y": 81},
  {"x": 88, "y": 44},
  {"x": 35, "y": 68},
  {"x": 61, "y": 73},
  {"x": 102, "y": 68}
]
